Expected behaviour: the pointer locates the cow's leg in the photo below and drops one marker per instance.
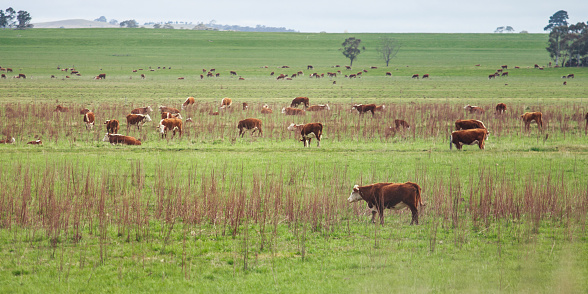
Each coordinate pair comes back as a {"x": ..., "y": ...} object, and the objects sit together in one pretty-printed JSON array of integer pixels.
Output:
[{"x": 415, "y": 215}]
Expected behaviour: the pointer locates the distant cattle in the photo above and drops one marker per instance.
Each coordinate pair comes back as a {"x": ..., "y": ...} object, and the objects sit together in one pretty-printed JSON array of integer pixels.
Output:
[
  {"x": 492, "y": 76},
  {"x": 293, "y": 111},
  {"x": 112, "y": 126},
  {"x": 189, "y": 101},
  {"x": 142, "y": 110},
  {"x": 401, "y": 123},
  {"x": 363, "y": 108},
  {"x": 249, "y": 124},
  {"x": 388, "y": 73},
  {"x": 396, "y": 196},
  {"x": 60, "y": 108},
  {"x": 35, "y": 142},
  {"x": 300, "y": 100},
  {"x": 233, "y": 73},
  {"x": 468, "y": 137},
  {"x": 380, "y": 108},
  {"x": 8, "y": 140},
  {"x": 89, "y": 120},
  {"x": 528, "y": 117},
  {"x": 500, "y": 108},
  {"x": 318, "y": 107},
  {"x": 138, "y": 120},
  {"x": 425, "y": 76},
  {"x": 266, "y": 110},
  {"x": 309, "y": 67},
  {"x": 84, "y": 111},
  {"x": 504, "y": 74},
  {"x": 245, "y": 106},
  {"x": 170, "y": 124},
  {"x": 308, "y": 131},
  {"x": 180, "y": 78},
  {"x": 102, "y": 76},
  {"x": 474, "y": 109},
  {"x": 168, "y": 109},
  {"x": 165, "y": 115},
  {"x": 121, "y": 139},
  {"x": 142, "y": 76},
  {"x": 3, "y": 76},
  {"x": 415, "y": 76},
  {"x": 570, "y": 76},
  {"x": 468, "y": 124},
  {"x": 226, "y": 103},
  {"x": 22, "y": 76},
  {"x": 536, "y": 65},
  {"x": 504, "y": 67}
]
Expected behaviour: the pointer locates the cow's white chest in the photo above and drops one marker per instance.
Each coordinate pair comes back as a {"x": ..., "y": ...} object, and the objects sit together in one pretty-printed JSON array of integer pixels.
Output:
[{"x": 399, "y": 206}]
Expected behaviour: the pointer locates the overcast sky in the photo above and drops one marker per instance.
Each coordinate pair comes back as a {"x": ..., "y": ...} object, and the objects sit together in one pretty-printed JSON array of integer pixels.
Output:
[{"x": 353, "y": 16}]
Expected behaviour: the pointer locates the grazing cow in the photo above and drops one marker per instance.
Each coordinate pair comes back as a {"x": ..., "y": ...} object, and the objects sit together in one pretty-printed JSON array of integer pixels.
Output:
[
  {"x": 394, "y": 196},
  {"x": 300, "y": 100},
  {"x": 380, "y": 108},
  {"x": 189, "y": 101},
  {"x": 121, "y": 139},
  {"x": 364, "y": 108},
  {"x": 233, "y": 73},
  {"x": 425, "y": 76},
  {"x": 22, "y": 76},
  {"x": 478, "y": 64},
  {"x": 35, "y": 142},
  {"x": 281, "y": 77},
  {"x": 180, "y": 78},
  {"x": 528, "y": 117},
  {"x": 102, "y": 76},
  {"x": 309, "y": 67},
  {"x": 388, "y": 73},
  {"x": 565, "y": 83},
  {"x": 504, "y": 66},
  {"x": 84, "y": 111},
  {"x": 213, "y": 113},
  {"x": 112, "y": 126},
  {"x": 318, "y": 107},
  {"x": 348, "y": 67},
  {"x": 168, "y": 109},
  {"x": 142, "y": 76},
  {"x": 245, "y": 106},
  {"x": 500, "y": 108},
  {"x": 266, "y": 110},
  {"x": 401, "y": 123},
  {"x": 7, "y": 141},
  {"x": 308, "y": 131},
  {"x": 415, "y": 76},
  {"x": 142, "y": 110},
  {"x": 468, "y": 124},
  {"x": 170, "y": 124},
  {"x": 293, "y": 111},
  {"x": 89, "y": 120},
  {"x": 504, "y": 74},
  {"x": 60, "y": 108},
  {"x": 474, "y": 109},
  {"x": 3, "y": 76},
  {"x": 138, "y": 120},
  {"x": 249, "y": 124},
  {"x": 468, "y": 137},
  {"x": 226, "y": 102},
  {"x": 165, "y": 115},
  {"x": 492, "y": 76},
  {"x": 570, "y": 76}
]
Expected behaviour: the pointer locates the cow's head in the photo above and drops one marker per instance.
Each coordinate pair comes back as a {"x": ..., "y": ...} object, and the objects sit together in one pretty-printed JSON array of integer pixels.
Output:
[
  {"x": 355, "y": 106},
  {"x": 327, "y": 106},
  {"x": 148, "y": 109},
  {"x": 189, "y": 120},
  {"x": 147, "y": 117},
  {"x": 284, "y": 110},
  {"x": 161, "y": 128},
  {"x": 355, "y": 195},
  {"x": 105, "y": 139},
  {"x": 106, "y": 122},
  {"x": 292, "y": 127}
]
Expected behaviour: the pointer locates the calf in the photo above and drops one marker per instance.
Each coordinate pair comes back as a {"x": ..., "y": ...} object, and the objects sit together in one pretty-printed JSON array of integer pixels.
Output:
[
  {"x": 293, "y": 111},
  {"x": 121, "y": 139},
  {"x": 300, "y": 100},
  {"x": 189, "y": 101},
  {"x": 168, "y": 109},
  {"x": 308, "y": 131},
  {"x": 394, "y": 196},
  {"x": 170, "y": 124},
  {"x": 226, "y": 102},
  {"x": 361, "y": 108},
  {"x": 380, "y": 108},
  {"x": 102, "y": 76},
  {"x": 245, "y": 106},
  {"x": 112, "y": 126},
  {"x": 266, "y": 110},
  {"x": 401, "y": 123},
  {"x": 89, "y": 120},
  {"x": 165, "y": 115},
  {"x": 528, "y": 117},
  {"x": 425, "y": 76},
  {"x": 474, "y": 109},
  {"x": 35, "y": 142},
  {"x": 249, "y": 124},
  {"x": 60, "y": 108},
  {"x": 468, "y": 137},
  {"x": 8, "y": 141},
  {"x": 468, "y": 124},
  {"x": 138, "y": 120},
  {"x": 500, "y": 108},
  {"x": 415, "y": 76},
  {"x": 142, "y": 110},
  {"x": 318, "y": 107}
]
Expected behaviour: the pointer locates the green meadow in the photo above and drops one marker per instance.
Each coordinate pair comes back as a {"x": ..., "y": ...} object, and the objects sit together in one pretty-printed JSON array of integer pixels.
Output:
[{"x": 211, "y": 212}]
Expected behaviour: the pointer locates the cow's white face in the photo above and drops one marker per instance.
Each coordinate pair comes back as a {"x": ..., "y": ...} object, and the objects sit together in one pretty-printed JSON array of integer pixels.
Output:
[
  {"x": 161, "y": 129},
  {"x": 105, "y": 139},
  {"x": 328, "y": 108},
  {"x": 147, "y": 117},
  {"x": 149, "y": 109},
  {"x": 292, "y": 127},
  {"x": 355, "y": 195},
  {"x": 284, "y": 110}
]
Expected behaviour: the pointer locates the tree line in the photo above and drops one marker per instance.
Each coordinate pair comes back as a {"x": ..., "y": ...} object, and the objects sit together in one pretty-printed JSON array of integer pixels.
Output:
[
  {"x": 568, "y": 44},
  {"x": 11, "y": 19}
]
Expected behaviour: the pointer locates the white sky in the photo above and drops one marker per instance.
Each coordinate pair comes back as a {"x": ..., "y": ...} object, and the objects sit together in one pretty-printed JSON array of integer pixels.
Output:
[{"x": 358, "y": 16}]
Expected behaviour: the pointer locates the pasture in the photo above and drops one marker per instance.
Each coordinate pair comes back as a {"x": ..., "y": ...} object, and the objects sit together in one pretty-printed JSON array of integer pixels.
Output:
[{"x": 212, "y": 212}]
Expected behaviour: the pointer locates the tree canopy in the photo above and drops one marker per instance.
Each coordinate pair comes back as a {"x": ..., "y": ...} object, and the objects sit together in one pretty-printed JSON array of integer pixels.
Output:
[
  {"x": 568, "y": 45},
  {"x": 131, "y": 23},
  {"x": 559, "y": 18},
  {"x": 351, "y": 48},
  {"x": 388, "y": 49},
  {"x": 101, "y": 19}
]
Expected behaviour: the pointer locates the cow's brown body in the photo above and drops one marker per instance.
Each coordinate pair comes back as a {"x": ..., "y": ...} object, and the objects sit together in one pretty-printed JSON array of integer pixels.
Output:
[
  {"x": 170, "y": 124},
  {"x": 8, "y": 141},
  {"x": 468, "y": 137},
  {"x": 189, "y": 101},
  {"x": 165, "y": 115},
  {"x": 500, "y": 108},
  {"x": 60, "y": 108},
  {"x": 35, "y": 142},
  {"x": 89, "y": 119},
  {"x": 266, "y": 110},
  {"x": 137, "y": 119},
  {"x": 112, "y": 126},
  {"x": 249, "y": 124},
  {"x": 300, "y": 100},
  {"x": 318, "y": 107},
  {"x": 168, "y": 109},
  {"x": 363, "y": 108},
  {"x": 401, "y": 123},
  {"x": 121, "y": 139},
  {"x": 308, "y": 131},
  {"x": 226, "y": 103},
  {"x": 474, "y": 109},
  {"x": 102, "y": 76},
  {"x": 293, "y": 111},
  {"x": 528, "y": 117},
  {"x": 468, "y": 124},
  {"x": 245, "y": 106},
  {"x": 142, "y": 110}
]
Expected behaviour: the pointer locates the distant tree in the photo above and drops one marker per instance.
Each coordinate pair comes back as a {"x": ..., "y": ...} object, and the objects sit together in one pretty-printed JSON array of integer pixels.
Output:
[
  {"x": 24, "y": 20},
  {"x": 556, "y": 43},
  {"x": 499, "y": 30},
  {"x": 101, "y": 19},
  {"x": 558, "y": 19},
  {"x": 388, "y": 49},
  {"x": 131, "y": 23},
  {"x": 7, "y": 18},
  {"x": 351, "y": 49},
  {"x": 200, "y": 27},
  {"x": 168, "y": 26},
  {"x": 113, "y": 22},
  {"x": 509, "y": 29},
  {"x": 524, "y": 32},
  {"x": 157, "y": 26}
]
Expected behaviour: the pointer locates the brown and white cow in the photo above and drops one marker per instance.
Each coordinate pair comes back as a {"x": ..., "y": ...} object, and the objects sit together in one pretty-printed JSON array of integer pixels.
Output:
[
  {"x": 300, "y": 100},
  {"x": 249, "y": 124},
  {"x": 308, "y": 131},
  {"x": 8, "y": 140},
  {"x": 168, "y": 109},
  {"x": 363, "y": 108},
  {"x": 245, "y": 106},
  {"x": 226, "y": 103},
  {"x": 468, "y": 124},
  {"x": 112, "y": 126},
  {"x": 380, "y": 108},
  {"x": 121, "y": 139},
  {"x": 142, "y": 110},
  {"x": 138, "y": 120},
  {"x": 415, "y": 76},
  {"x": 189, "y": 101},
  {"x": 396, "y": 196},
  {"x": 266, "y": 110},
  {"x": 318, "y": 107},
  {"x": 401, "y": 123},
  {"x": 60, "y": 108},
  {"x": 102, "y": 76},
  {"x": 89, "y": 119},
  {"x": 528, "y": 117},
  {"x": 500, "y": 108},
  {"x": 165, "y": 115},
  {"x": 170, "y": 124},
  {"x": 468, "y": 137},
  {"x": 84, "y": 111},
  {"x": 425, "y": 76},
  {"x": 474, "y": 109},
  {"x": 35, "y": 142},
  {"x": 293, "y": 111}
]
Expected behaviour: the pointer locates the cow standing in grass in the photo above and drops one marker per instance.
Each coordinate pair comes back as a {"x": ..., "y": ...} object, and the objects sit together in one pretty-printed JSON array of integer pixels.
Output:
[
  {"x": 529, "y": 117},
  {"x": 308, "y": 131},
  {"x": 249, "y": 124}
]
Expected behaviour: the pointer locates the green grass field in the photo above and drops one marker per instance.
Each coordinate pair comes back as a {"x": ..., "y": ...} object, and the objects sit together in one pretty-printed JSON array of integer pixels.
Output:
[{"x": 211, "y": 212}]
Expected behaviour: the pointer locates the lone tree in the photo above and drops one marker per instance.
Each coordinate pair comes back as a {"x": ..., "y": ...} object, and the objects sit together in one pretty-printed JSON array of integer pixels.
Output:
[
  {"x": 7, "y": 18},
  {"x": 131, "y": 23},
  {"x": 101, "y": 19},
  {"x": 558, "y": 19},
  {"x": 388, "y": 49},
  {"x": 351, "y": 48},
  {"x": 24, "y": 20}
]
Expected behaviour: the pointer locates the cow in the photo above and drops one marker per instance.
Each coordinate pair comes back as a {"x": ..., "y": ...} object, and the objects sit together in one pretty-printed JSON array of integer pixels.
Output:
[
  {"x": 226, "y": 102},
  {"x": 165, "y": 115},
  {"x": 468, "y": 124},
  {"x": 35, "y": 142},
  {"x": 121, "y": 139},
  {"x": 22, "y": 76},
  {"x": 180, "y": 78},
  {"x": 233, "y": 73},
  {"x": 60, "y": 108},
  {"x": 102, "y": 76},
  {"x": 266, "y": 110},
  {"x": 168, "y": 109},
  {"x": 492, "y": 76},
  {"x": 388, "y": 73},
  {"x": 249, "y": 124},
  {"x": 3, "y": 76},
  {"x": 138, "y": 120},
  {"x": 89, "y": 120},
  {"x": 401, "y": 123},
  {"x": 500, "y": 108},
  {"x": 380, "y": 108},
  {"x": 504, "y": 66},
  {"x": 189, "y": 101},
  {"x": 112, "y": 126},
  {"x": 245, "y": 106},
  {"x": 468, "y": 137},
  {"x": 528, "y": 117},
  {"x": 300, "y": 100},
  {"x": 504, "y": 74},
  {"x": 396, "y": 196},
  {"x": 8, "y": 141},
  {"x": 425, "y": 76},
  {"x": 142, "y": 110},
  {"x": 318, "y": 107},
  {"x": 84, "y": 111},
  {"x": 308, "y": 131},
  {"x": 293, "y": 111},
  {"x": 170, "y": 124},
  {"x": 415, "y": 76},
  {"x": 364, "y": 108},
  {"x": 570, "y": 76},
  {"x": 474, "y": 109},
  {"x": 536, "y": 65},
  {"x": 213, "y": 113}
]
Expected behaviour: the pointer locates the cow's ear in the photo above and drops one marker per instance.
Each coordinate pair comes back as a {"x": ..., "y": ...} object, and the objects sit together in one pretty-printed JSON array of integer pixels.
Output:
[{"x": 356, "y": 188}]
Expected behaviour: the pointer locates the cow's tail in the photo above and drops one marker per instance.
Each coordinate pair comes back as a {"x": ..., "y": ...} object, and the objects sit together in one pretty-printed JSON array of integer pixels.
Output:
[
  {"x": 450, "y": 142},
  {"x": 419, "y": 200}
]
